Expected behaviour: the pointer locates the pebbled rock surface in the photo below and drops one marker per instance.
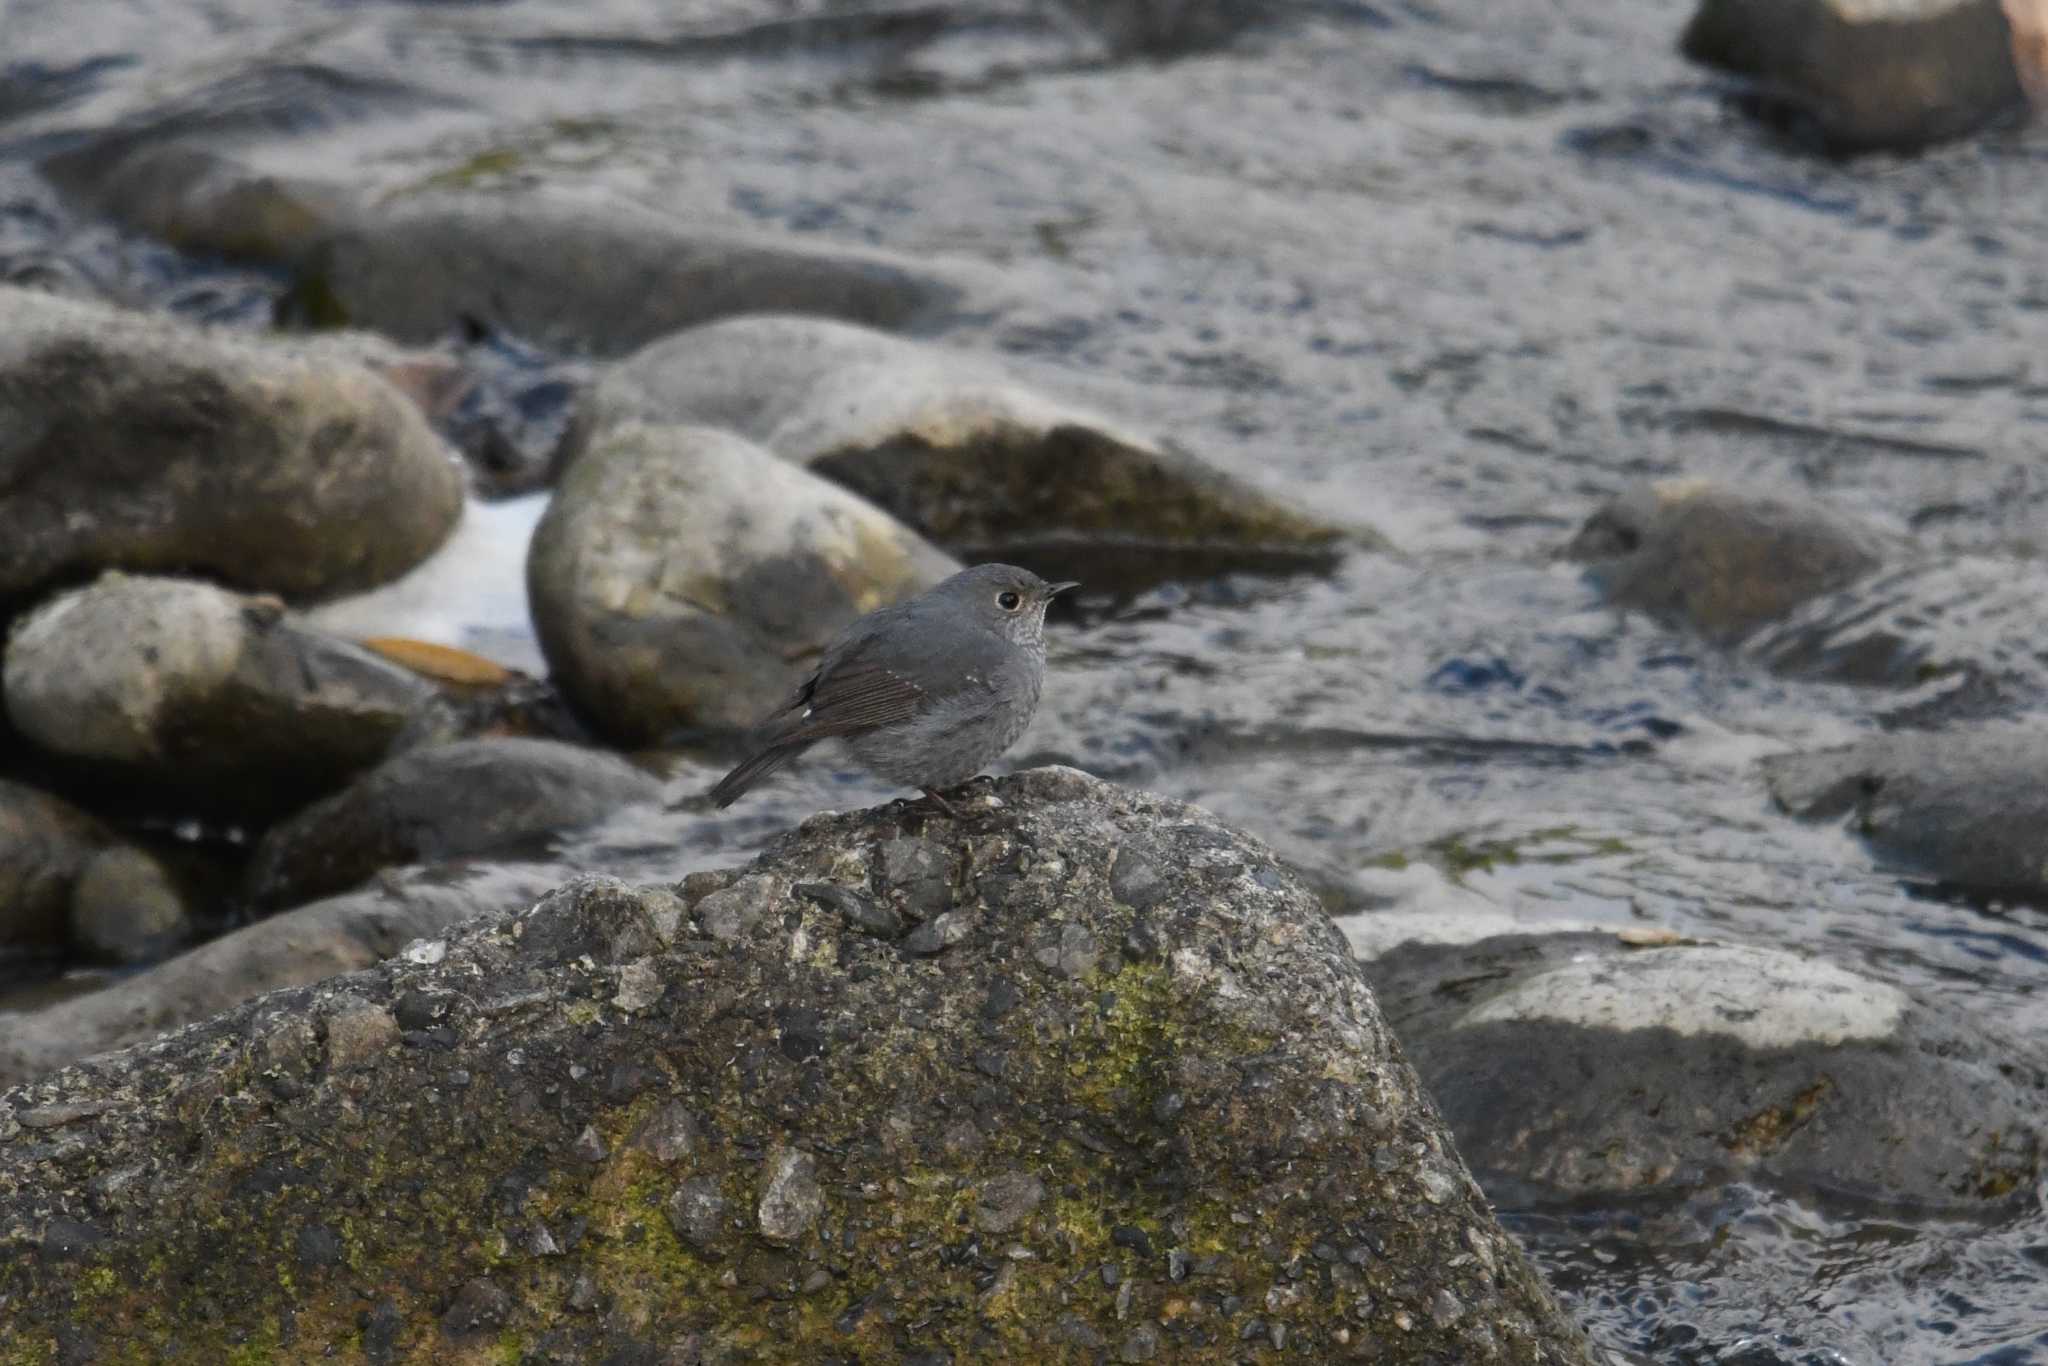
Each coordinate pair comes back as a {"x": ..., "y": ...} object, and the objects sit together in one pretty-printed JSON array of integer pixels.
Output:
[
  {"x": 1212, "y": 1106},
  {"x": 337, "y": 935}
]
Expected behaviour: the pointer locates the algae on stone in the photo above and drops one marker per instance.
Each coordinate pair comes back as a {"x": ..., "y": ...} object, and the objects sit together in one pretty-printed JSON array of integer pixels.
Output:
[{"x": 1197, "y": 1091}]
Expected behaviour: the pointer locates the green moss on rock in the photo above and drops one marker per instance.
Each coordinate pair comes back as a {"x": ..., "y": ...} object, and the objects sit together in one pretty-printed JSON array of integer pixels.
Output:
[{"x": 1196, "y": 1092}]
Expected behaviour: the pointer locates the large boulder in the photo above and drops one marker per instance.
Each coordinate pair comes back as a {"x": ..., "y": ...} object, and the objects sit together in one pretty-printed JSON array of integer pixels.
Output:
[
  {"x": 323, "y": 940},
  {"x": 1573, "y": 1064},
  {"x": 194, "y": 689},
  {"x": 1124, "y": 1092},
  {"x": 682, "y": 576},
  {"x": 600, "y": 278},
  {"x": 985, "y": 466},
  {"x": 1968, "y": 807},
  {"x": 1717, "y": 561},
  {"x": 438, "y": 803},
  {"x": 1857, "y": 76},
  {"x": 137, "y": 442}
]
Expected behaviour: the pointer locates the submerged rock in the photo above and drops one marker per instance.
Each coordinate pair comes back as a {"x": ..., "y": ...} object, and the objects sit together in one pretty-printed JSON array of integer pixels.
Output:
[
  {"x": 199, "y": 201},
  {"x": 339, "y": 935},
  {"x": 682, "y": 577},
  {"x": 1575, "y": 1065},
  {"x": 45, "y": 843},
  {"x": 136, "y": 442},
  {"x": 1968, "y": 808},
  {"x": 1215, "y": 1097},
  {"x": 201, "y": 691},
  {"x": 595, "y": 278},
  {"x": 986, "y": 467},
  {"x": 1856, "y": 77},
  {"x": 1720, "y": 562},
  {"x": 437, "y": 803},
  {"x": 1950, "y": 622}
]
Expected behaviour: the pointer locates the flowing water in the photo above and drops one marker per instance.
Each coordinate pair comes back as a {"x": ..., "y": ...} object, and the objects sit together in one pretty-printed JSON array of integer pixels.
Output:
[{"x": 1453, "y": 272}]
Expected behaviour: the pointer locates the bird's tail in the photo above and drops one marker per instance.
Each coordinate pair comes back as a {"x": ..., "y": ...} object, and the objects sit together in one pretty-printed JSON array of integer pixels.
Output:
[{"x": 734, "y": 784}]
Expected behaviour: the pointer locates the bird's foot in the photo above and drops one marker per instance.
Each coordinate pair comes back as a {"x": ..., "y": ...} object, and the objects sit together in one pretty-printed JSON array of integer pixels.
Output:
[{"x": 944, "y": 807}]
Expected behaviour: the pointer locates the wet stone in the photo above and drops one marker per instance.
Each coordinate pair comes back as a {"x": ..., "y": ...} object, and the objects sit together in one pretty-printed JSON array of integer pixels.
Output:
[
  {"x": 1722, "y": 562},
  {"x": 1850, "y": 76},
  {"x": 128, "y": 907}
]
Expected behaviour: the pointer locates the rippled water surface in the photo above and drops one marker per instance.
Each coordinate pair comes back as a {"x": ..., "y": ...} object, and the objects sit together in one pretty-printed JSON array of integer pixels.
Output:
[{"x": 1453, "y": 272}]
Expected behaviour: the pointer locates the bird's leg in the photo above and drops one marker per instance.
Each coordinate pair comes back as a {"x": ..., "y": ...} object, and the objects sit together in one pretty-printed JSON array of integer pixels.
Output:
[{"x": 932, "y": 795}]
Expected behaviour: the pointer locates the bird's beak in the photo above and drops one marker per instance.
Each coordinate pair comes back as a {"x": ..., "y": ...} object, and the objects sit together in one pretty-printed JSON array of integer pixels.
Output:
[{"x": 1053, "y": 590}]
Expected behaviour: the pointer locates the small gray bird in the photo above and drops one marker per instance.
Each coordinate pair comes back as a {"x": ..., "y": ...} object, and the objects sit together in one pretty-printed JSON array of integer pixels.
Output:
[{"x": 924, "y": 693}]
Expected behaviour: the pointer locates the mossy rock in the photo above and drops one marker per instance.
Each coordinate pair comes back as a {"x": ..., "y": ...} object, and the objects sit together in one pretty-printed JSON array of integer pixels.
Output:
[
  {"x": 985, "y": 466},
  {"x": 723, "y": 1123}
]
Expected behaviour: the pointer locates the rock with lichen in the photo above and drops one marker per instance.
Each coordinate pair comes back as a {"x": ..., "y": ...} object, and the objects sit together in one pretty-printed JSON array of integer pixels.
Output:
[
  {"x": 315, "y": 942},
  {"x": 816, "y": 1144}
]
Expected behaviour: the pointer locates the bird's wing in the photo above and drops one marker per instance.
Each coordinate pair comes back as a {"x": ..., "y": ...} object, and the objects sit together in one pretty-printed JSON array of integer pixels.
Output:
[{"x": 848, "y": 697}]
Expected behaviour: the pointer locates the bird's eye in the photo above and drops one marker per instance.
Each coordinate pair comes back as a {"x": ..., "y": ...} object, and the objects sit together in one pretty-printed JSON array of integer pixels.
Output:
[{"x": 1008, "y": 601}]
